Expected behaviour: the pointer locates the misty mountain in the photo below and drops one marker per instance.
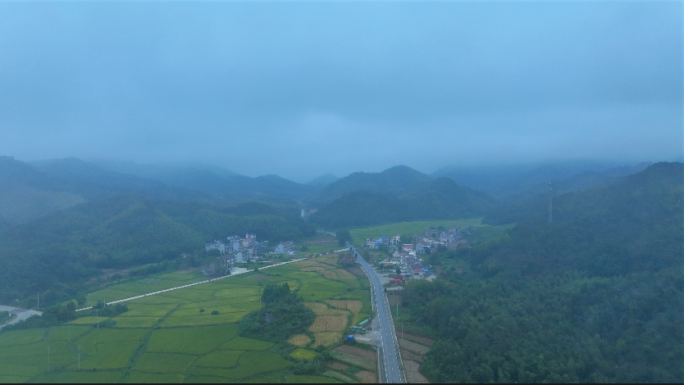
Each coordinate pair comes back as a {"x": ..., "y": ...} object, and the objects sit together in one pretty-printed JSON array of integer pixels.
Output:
[
  {"x": 536, "y": 199},
  {"x": 95, "y": 181},
  {"x": 323, "y": 180},
  {"x": 222, "y": 183},
  {"x": 26, "y": 192},
  {"x": 394, "y": 181},
  {"x": 160, "y": 172},
  {"x": 440, "y": 199},
  {"x": 445, "y": 199},
  {"x": 518, "y": 182}
]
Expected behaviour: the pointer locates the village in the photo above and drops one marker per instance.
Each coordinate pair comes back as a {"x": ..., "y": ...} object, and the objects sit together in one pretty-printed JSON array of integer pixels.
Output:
[
  {"x": 244, "y": 250},
  {"x": 404, "y": 259}
]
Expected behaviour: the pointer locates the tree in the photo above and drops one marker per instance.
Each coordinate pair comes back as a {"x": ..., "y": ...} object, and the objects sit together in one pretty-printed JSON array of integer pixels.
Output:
[
  {"x": 398, "y": 270},
  {"x": 406, "y": 239},
  {"x": 343, "y": 236},
  {"x": 217, "y": 267}
]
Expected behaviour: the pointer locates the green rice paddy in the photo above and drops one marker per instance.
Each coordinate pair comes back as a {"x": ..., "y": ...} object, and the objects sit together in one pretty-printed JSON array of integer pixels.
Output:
[
  {"x": 407, "y": 228},
  {"x": 166, "y": 338}
]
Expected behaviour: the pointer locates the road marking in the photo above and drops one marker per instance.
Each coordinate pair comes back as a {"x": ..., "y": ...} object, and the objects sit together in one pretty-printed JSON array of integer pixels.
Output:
[{"x": 190, "y": 284}]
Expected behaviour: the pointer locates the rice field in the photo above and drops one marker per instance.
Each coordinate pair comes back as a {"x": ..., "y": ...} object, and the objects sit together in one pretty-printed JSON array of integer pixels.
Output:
[
  {"x": 303, "y": 354},
  {"x": 299, "y": 340},
  {"x": 173, "y": 337},
  {"x": 327, "y": 323},
  {"x": 407, "y": 228}
]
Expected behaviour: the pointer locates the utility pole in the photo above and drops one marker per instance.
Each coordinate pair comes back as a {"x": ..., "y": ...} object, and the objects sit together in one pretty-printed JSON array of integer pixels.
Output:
[
  {"x": 48, "y": 358},
  {"x": 97, "y": 315},
  {"x": 79, "y": 357},
  {"x": 550, "y": 204}
]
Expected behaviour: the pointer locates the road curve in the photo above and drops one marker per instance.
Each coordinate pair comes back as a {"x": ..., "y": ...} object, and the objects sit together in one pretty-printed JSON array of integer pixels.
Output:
[{"x": 19, "y": 314}]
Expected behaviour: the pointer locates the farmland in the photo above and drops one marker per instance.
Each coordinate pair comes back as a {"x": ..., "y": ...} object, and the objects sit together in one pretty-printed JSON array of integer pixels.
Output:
[
  {"x": 407, "y": 228},
  {"x": 190, "y": 334}
]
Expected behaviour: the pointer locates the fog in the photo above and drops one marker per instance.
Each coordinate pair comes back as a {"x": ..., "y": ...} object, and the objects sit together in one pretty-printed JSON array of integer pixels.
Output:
[{"x": 300, "y": 89}]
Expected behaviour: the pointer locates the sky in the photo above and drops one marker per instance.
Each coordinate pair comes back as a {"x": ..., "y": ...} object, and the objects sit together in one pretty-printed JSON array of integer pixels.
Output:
[{"x": 301, "y": 89}]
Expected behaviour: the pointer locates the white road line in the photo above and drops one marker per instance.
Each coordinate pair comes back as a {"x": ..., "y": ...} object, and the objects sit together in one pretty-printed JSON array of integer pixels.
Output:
[{"x": 190, "y": 284}]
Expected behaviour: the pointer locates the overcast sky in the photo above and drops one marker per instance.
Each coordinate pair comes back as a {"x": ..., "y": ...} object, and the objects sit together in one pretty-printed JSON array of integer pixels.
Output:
[{"x": 300, "y": 89}]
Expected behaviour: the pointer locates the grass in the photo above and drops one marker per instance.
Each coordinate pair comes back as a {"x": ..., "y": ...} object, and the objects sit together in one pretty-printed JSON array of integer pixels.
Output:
[
  {"x": 407, "y": 228},
  {"x": 326, "y": 338},
  {"x": 299, "y": 340},
  {"x": 203, "y": 319},
  {"x": 197, "y": 340},
  {"x": 162, "y": 378},
  {"x": 135, "y": 322},
  {"x": 303, "y": 354},
  {"x": 164, "y": 362},
  {"x": 12, "y": 379},
  {"x": 111, "y": 355},
  {"x": 242, "y": 343},
  {"x": 136, "y": 309},
  {"x": 90, "y": 341},
  {"x": 88, "y": 320},
  {"x": 252, "y": 363},
  {"x": 220, "y": 359},
  {"x": 65, "y": 333},
  {"x": 20, "y": 337},
  {"x": 81, "y": 377}
]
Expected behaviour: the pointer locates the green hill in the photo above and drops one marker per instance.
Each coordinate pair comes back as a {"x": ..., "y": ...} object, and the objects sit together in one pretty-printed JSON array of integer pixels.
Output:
[
  {"x": 394, "y": 181},
  {"x": 628, "y": 226},
  {"x": 57, "y": 252},
  {"x": 440, "y": 199},
  {"x": 596, "y": 296}
]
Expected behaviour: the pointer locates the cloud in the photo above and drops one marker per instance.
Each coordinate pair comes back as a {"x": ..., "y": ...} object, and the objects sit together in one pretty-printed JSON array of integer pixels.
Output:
[{"x": 312, "y": 87}]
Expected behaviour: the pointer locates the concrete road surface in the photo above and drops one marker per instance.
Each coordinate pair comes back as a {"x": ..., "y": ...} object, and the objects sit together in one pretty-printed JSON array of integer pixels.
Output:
[
  {"x": 20, "y": 314},
  {"x": 388, "y": 341}
]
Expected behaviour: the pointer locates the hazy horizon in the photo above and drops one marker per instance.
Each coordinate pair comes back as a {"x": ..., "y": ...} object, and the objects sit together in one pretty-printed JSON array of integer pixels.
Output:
[{"x": 301, "y": 89}]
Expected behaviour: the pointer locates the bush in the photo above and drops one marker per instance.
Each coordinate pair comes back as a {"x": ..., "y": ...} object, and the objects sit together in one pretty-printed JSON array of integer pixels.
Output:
[
  {"x": 215, "y": 312},
  {"x": 201, "y": 310}
]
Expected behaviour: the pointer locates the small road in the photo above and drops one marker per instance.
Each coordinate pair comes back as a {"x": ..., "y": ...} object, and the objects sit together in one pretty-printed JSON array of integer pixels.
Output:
[
  {"x": 19, "y": 314},
  {"x": 388, "y": 339},
  {"x": 237, "y": 271}
]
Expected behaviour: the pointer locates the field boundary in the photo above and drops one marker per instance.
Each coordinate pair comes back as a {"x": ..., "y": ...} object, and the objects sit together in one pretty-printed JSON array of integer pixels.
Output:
[{"x": 190, "y": 284}]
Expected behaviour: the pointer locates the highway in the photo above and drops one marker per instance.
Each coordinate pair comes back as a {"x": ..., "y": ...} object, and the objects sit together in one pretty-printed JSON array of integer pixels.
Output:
[{"x": 390, "y": 351}]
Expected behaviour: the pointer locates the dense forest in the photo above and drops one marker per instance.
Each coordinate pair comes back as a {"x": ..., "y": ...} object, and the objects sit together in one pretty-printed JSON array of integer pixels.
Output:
[
  {"x": 596, "y": 296},
  {"x": 55, "y": 254}
]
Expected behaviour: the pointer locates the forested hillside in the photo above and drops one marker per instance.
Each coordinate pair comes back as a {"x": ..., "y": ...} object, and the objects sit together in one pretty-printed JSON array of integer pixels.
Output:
[
  {"x": 54, "y": 254},
  {"x": 394, "y": 181},
  {"x": 440, "y": 199},
  {"x": 597, "y": 296}
]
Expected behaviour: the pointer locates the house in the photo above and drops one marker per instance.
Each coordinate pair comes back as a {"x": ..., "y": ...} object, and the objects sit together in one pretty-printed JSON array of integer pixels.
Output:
[
  {"x": 285, "y": 248},
  {"x": 216, "y": 245},
  {"x": 407, "y": 246}
]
